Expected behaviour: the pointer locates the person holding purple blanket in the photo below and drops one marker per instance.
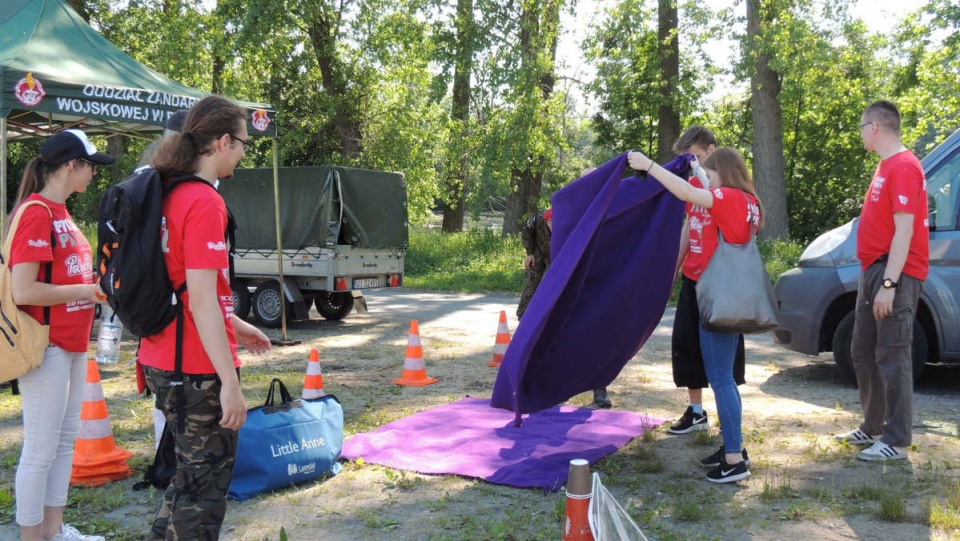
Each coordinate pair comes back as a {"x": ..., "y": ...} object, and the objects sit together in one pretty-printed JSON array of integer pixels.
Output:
[{"x": 729, "y": 204}]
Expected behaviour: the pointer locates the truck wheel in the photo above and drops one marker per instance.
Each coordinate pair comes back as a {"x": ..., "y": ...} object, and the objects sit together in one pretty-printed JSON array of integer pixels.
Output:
[
  {"x": 266, "y": 305},
  {"x": 334, "y": 306},
  {"x": 241, "y": 299},
  {"x": 843, "y": 338}
]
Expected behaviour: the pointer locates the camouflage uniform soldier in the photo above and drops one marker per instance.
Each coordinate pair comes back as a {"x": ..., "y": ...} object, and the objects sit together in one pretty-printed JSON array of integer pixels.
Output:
[{"x": 536, "y": 239}]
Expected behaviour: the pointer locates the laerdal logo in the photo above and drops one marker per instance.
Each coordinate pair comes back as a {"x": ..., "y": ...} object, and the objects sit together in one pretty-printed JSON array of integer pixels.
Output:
[
  {"x": 218, "y": 246},
  {"x": 29, "y": 91},
  {"x": 37, "y": 243}
]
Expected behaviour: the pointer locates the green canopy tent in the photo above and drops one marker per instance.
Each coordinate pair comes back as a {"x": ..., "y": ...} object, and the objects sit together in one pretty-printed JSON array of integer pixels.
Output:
[{"x": 56, "y": 72}]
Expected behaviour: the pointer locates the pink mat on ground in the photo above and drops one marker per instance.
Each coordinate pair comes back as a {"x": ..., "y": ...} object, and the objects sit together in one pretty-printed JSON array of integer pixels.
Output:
[{"x": 471, "y": 438}]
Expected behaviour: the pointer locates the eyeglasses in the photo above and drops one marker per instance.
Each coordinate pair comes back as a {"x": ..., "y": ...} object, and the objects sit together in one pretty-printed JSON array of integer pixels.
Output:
[
  {"x": 246, "y": 144},
  {"x": 864, "y": 125},
  {"x": 93, "y": 166}
]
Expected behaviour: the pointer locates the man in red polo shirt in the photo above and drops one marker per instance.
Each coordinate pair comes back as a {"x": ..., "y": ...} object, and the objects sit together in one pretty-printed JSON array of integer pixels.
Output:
[{"x": 893, "y": 245}]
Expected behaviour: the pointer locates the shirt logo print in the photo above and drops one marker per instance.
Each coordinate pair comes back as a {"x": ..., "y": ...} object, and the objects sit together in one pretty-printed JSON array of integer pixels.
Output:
[
  {"x": 37, "y": 243},
  {"x": 217, "y": 246},
  {"x": 903, "y": 199}
]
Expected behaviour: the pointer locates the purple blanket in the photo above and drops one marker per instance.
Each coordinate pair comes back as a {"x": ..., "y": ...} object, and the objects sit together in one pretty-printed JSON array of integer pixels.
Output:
[
  {"x": 614, "y": 248},
  {"x": 472, "y": 439}
]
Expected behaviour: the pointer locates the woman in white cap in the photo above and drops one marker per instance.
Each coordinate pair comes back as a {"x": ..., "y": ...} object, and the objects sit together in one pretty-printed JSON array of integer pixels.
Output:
[{"x": 53, "y": 281}]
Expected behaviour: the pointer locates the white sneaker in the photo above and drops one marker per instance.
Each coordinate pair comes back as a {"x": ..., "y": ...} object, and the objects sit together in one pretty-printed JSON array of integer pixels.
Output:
[
  {"x": 856, "y": 437},
  {"x": 69, "y": 533},
  {"x": 881, "y": 452}
]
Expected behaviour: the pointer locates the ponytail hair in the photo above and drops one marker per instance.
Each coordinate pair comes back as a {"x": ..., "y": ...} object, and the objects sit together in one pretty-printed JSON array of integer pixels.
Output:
[
  {"x": 34, "y": 179},
  {"x": 732, "y": 169},
  {"x": 208, "y": 120}
]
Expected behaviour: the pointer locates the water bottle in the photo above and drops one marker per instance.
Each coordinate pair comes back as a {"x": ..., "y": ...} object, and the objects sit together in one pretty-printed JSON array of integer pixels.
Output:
[{"x": 108, "y": 337}]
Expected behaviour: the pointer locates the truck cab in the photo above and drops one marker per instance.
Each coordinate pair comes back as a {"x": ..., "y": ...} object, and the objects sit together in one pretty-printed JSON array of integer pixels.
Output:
[{"x": 817, "y": 298}]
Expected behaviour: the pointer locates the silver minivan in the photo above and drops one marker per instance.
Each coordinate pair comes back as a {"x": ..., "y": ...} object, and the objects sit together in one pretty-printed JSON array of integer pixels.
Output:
[{"x": 817, "y": 297}]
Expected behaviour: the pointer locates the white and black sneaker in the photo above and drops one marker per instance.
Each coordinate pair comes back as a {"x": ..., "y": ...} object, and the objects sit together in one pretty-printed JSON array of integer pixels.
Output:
[
  {"x": 728, "y": 473},
  {"x": 856, "y": 437},
  {"x": 690, "y": 422},
  {"x": 713, "y": 460},
  {"x": 881, "y": 452}
]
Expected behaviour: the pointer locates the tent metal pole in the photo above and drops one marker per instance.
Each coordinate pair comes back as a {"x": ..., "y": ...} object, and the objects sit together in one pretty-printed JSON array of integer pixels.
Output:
[
  {"x": 3, "y": 176},
  {"x": 284, "y": 341}
]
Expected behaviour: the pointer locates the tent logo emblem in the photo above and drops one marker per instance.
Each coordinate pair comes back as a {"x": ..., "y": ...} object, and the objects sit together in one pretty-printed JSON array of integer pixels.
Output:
[
  {"x": 29, "y": 91},
  {"x": 260, "y": 120}
]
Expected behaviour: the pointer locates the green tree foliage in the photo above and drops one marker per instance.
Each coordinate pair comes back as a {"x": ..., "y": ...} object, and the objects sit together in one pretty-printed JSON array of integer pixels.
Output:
[{"x": 623, "y": 47}]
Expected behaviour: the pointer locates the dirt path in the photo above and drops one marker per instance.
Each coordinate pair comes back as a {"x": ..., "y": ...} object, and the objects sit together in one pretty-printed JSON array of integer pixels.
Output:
[{"x": 804, "y": 486}]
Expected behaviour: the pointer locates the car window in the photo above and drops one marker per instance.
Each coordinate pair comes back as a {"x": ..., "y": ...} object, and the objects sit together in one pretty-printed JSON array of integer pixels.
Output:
[{"x": 943, "y": 187}]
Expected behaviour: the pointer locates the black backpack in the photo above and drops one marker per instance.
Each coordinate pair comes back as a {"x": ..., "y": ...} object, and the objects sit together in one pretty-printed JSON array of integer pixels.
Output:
[
  {"x": 130, "y": 261},
  {"x": 164, "y": 467}
]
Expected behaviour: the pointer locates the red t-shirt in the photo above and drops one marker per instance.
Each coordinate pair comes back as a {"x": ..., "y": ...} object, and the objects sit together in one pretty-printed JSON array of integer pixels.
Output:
[
  {"x": 196, "y": 219},
  {"x": 737, "y": 216},
  {"x": 70, "y": 323},
  {"x": 899, "y": 185}
]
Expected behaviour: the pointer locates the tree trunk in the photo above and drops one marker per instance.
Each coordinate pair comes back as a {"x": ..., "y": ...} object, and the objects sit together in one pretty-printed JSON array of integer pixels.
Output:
[
  {"x": 668, "y": 52},
  {"x": 216, "y": 84},
  {"x": 539, "y": 31},
  {"x": 768, "y": 162},
  {"x": 456, "y": 180},
  {"x": 322, "y": 30}
]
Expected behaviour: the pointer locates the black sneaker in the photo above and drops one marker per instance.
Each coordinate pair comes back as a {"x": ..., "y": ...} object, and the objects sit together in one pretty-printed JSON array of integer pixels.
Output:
[
  {"x": 726, "y": 473},
  {"x": 690, "y": 422},
  {"x": 713, "y": 460},
  {"x": 601, "y": 400}
]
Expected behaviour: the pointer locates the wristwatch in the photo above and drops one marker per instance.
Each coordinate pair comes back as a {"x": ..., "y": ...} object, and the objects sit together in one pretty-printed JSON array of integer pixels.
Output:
[{"x": 889, "y": 284}]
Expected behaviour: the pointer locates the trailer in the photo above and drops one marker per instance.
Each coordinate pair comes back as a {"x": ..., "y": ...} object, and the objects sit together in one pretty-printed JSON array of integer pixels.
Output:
[{"x": 342, "y": 231}]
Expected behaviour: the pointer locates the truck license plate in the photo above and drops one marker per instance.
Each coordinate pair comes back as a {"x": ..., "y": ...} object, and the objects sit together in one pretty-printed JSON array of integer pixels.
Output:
[{"x": 364, "y": 283}]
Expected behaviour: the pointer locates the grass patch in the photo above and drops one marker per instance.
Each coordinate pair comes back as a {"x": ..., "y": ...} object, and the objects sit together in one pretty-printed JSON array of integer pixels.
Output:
[
  {"x": 777, "y": 487},
  {"x": 893, "y": 506},
  {"x": 475, "y": 261},
  {"x": 706, "y": 438},
  {"x": 943, "y": 517}
]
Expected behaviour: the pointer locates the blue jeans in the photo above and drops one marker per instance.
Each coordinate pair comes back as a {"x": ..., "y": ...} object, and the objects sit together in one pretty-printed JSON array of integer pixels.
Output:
[{"x": 719, "y": 351}]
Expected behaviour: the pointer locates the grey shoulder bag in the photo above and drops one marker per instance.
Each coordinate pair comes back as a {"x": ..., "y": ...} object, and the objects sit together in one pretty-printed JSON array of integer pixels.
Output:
[{"x": 734, "y": 292}]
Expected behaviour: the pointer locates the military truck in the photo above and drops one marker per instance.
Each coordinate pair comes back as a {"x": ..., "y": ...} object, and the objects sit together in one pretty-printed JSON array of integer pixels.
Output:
[{"x": 343, "y": 230}]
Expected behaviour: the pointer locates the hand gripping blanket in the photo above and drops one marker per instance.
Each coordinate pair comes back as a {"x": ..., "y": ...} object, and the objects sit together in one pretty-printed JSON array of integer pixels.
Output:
[{"x": 615, "y": 245}]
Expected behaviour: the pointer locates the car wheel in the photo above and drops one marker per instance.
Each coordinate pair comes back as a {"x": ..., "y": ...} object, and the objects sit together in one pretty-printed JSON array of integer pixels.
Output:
[
  {"x": 843, "y": 338},
  {"x": 334, "y": 306},
  {"x": 241, "y": 299},
  {"x": 266, "y": 305}
]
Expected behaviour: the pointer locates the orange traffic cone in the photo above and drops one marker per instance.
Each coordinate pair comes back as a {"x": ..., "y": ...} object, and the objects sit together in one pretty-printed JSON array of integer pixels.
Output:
[
  {"x": 576, "y": 522},
  {"x": 503, "y": 340},
  {"x": 97, "y": 459},
  {"x": 313, "y": 382},
  {"x": 414, "y": 369}
]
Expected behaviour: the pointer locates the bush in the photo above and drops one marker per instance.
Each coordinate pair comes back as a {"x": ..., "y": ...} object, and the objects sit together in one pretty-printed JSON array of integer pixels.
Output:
[
  {"x": 780, "y": 255},
  {"x": 475, "y": 261}
]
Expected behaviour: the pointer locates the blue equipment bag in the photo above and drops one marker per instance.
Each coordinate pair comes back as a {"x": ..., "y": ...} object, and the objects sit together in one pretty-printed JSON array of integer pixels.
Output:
[{"x": 287, "y": 443}]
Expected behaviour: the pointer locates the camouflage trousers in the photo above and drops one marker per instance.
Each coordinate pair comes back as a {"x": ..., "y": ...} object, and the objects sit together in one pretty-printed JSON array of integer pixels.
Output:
[
  {"x": 195, "y": 503},
  {"x": 531, "y": 281}
]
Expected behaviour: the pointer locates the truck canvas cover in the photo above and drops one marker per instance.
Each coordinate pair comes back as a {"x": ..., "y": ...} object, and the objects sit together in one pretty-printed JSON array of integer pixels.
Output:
[{"x": 320, "y": 206}]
